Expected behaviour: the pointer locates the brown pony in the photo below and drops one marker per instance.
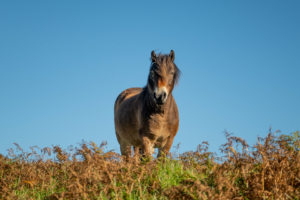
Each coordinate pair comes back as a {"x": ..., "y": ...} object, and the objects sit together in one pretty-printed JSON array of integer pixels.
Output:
[{"x": 148, "y": 118}]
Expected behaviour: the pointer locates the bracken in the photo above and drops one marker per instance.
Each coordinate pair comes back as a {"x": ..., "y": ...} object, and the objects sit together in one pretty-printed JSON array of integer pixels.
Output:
[{"x": 268, "y": 170}]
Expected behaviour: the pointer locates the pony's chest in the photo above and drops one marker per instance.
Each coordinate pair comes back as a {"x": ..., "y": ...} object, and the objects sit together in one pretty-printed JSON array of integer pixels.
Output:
[{"x": 158, "y": 127}]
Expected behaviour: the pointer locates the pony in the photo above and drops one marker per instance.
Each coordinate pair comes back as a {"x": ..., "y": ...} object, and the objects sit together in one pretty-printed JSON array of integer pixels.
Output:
[{"x": 148, "y": 117}]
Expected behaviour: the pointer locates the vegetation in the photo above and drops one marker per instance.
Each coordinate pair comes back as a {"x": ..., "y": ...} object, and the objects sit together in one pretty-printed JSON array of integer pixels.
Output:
[{"x": 268, "y": 170}]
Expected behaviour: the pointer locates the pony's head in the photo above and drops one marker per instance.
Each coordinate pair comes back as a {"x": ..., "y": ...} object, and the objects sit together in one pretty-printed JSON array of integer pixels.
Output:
[{"x": 163, "y": 75}]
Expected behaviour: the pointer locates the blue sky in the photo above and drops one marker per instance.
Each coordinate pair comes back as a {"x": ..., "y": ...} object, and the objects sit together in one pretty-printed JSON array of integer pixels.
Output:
[{"x": 63, "y": 63}]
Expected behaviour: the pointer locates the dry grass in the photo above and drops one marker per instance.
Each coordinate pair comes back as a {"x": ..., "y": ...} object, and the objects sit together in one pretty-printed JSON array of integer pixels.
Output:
[{"x": 268, "y": 170}]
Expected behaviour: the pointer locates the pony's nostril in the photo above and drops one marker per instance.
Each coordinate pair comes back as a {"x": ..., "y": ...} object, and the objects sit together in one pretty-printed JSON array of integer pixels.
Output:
[
  {"x": 163, "y": 96},
  {"x": 160, "y": 99}
]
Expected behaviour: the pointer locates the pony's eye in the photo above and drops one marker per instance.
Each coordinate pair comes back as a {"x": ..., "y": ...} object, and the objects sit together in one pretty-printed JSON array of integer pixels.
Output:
[
  {"x": 172, "y": 73},
  {"x": 152, "y": 74}
]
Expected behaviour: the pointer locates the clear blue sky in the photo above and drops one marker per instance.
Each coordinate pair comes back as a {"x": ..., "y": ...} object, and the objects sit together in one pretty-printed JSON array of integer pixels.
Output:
[{"x": 63, "y": 63}]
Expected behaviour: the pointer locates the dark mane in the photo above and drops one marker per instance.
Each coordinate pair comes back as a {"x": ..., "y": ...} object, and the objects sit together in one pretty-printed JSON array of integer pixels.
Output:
[{"x": 160, "y": 59}]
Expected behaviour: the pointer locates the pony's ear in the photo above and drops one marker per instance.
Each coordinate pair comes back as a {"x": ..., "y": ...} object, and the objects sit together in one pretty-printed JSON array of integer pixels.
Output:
[
  {"x": 153, "y": 56},
  {"x": 172, "y": 55}
]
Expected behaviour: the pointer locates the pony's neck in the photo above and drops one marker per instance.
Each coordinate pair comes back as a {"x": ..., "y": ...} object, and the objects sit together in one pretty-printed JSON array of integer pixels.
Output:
[{"x": 152, "y": 106}]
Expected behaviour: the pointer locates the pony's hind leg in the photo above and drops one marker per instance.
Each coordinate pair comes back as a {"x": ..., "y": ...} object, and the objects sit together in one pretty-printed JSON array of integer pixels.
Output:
[
  {"x": 125, "y": 149},
  {"x": 138, "y": 150},
  {"x": 124, "y": 146},
  {"x": 137, "y": 153}
]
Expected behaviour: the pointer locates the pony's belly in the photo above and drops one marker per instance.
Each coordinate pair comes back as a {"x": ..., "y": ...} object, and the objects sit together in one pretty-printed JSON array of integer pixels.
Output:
[
  {"x": 128, "y": 130},
  {"x": 130, "y": 135}
]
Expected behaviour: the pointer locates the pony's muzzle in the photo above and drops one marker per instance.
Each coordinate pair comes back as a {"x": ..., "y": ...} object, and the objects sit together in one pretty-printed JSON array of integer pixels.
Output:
[{"x": 160, "y": 95}]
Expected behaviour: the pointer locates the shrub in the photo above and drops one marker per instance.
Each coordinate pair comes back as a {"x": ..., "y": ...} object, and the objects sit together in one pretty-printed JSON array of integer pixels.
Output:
[{"x": 267, "y": 170}]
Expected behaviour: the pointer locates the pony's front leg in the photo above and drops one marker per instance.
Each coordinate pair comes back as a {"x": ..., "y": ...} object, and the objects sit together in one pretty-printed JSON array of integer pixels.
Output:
[
  {"x": 166, "y": 148},
  {"x": 125, "y": 150},
  {"x": 147, "y": 147}
]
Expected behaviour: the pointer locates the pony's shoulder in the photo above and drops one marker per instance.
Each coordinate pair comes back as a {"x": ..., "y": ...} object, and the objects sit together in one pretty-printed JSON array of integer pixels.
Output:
[{"x": 127, "y": 94}]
